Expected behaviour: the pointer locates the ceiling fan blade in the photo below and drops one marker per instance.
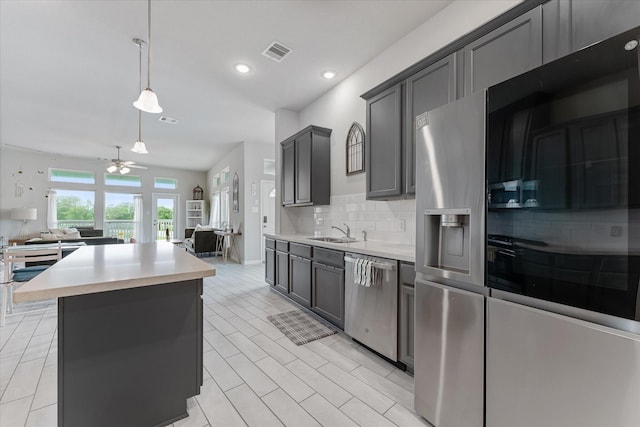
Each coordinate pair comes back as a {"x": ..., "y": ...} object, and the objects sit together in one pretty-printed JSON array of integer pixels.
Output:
[
  {"x": 128, "y": 162},
  {"x": 137, "y": 167}
]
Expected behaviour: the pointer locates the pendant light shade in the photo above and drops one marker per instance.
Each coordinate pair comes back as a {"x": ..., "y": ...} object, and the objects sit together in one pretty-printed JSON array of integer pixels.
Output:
[
  {"x": 124, "y": 170},
  {"x": 148, "y": 101},
  {"x": 139, "y": 148},
  {"x": 112, "y": 168}
]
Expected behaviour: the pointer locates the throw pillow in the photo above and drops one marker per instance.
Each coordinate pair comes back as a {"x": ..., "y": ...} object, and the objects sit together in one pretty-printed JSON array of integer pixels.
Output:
[
  {"x": 56, "y": 230},
  {"x": 70, "y": 230},
  {"x": 48, "y": 236},
  {"x": 70, "y": 236}
]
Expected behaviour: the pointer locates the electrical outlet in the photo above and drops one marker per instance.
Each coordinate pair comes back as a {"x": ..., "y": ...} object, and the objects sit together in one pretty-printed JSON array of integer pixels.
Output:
[{"x": 616, "y": 231}]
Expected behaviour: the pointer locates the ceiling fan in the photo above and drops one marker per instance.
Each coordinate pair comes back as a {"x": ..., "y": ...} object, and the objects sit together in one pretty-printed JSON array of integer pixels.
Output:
[{"x": 122, "y": 166}]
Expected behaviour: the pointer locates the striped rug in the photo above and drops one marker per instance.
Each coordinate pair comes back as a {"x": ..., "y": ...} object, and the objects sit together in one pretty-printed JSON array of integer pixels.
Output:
[{"x": 301, "y": 327}]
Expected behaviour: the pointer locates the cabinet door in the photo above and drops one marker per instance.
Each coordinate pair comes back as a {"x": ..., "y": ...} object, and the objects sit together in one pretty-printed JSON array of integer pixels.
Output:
[
  {"x": 288, "y": 172},
  {"x": 282, "y": 272},
  {"x": 303, "y": 168},
  {"x": 270, "y": 266},
  {"x": 596, "y": 20},
  {"x": 383, "y": 145},
  {"x": 407, "y": 321},
  {"x": 407, "y": 314},
  {"x": 300, "y": 280},
  {"x": 510, "y": 50},
  {"x": 430, "y": 88},
  {"x": 327, "y": 293}
]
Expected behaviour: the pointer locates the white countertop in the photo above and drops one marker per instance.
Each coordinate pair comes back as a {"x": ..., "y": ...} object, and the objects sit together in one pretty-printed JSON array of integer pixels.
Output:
[
  {"x": 102, "y": 268},
  {"x": 399, "y": 251}
]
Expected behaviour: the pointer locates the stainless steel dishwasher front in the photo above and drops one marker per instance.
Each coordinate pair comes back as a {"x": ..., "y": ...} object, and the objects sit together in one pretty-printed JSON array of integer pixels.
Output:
[{"x": 371, "y": 313}]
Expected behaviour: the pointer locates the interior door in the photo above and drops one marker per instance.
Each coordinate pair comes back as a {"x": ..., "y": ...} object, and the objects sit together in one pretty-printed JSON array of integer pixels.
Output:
[
  {"x": 165, "y": 216},
  {"x": 267, "y": 211}
]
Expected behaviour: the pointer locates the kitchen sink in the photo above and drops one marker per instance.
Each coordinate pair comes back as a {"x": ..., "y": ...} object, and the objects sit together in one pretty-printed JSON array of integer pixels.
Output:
[{"x": 333, "y": 239}]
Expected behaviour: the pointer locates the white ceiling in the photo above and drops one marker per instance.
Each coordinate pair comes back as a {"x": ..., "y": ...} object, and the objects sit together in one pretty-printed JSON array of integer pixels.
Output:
[{"x": 69, "y": 70}]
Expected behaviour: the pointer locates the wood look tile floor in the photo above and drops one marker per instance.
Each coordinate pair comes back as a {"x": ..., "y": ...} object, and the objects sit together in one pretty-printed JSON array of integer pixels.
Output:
[{"x": 253, "y": 374}]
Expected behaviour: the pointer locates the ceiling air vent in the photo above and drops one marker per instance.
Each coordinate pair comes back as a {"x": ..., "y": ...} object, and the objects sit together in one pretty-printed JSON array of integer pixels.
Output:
[
  {"x": 169, "y": 120},
  {"x": 276, "y": 51}
]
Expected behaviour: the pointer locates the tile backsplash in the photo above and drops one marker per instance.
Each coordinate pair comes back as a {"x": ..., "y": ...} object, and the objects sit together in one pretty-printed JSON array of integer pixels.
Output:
[{"x": 389, "y": 221}]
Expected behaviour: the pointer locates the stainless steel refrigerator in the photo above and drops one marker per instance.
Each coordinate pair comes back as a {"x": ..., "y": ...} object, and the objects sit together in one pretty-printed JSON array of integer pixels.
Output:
[{"x": 450, "y": 293}]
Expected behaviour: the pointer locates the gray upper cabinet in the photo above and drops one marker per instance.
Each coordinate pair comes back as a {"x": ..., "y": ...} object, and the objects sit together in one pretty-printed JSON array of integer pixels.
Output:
[
  {"x": 383, "y": 144},
  {"x": 428, "y": 89},
  {"x": 305, "y": 164},
  {"x": 596, "y": 20},
  {"x": 510, "y": 50},
  {"x": 288, "y": 172}
]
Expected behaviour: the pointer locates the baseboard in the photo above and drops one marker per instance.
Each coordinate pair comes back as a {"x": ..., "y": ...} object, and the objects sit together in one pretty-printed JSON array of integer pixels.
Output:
[{"x": 256, "y": 261}]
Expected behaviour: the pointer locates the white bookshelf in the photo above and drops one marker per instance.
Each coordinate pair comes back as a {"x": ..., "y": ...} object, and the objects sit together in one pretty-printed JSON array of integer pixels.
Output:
[{"x": 196, "y": 213}]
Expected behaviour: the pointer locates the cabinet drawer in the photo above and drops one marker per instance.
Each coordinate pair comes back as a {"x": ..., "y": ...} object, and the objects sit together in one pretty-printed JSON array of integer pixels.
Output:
[
  {"x": 407, "y": 274},
  {"x": 282, "y": 245},
  {"x": 269, "y": 243},
  {"x": 304, "y": 251},
  {"x": 328, "y": 257}
]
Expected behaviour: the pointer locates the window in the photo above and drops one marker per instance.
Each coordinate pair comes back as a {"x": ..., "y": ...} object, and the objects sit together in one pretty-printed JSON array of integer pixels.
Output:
[
  {"x": 224, "y": 207},
  {"x": 74, "y": 177},
  {"x": 122, "y": 180},
  {"x": 75, "y": 208},
  {"x": 269, "y": 167},
  {"x": 119, "y": 215},
  {"x": 216, "y": 180},
  {"x": 224, "y": 175},
  {"x": 165, "y": 183},
  {"x": 215, "y": 210}
]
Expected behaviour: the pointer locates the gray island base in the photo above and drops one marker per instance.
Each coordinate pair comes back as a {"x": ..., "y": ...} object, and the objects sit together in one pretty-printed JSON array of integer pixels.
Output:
[{"x": 132, "y": 355}]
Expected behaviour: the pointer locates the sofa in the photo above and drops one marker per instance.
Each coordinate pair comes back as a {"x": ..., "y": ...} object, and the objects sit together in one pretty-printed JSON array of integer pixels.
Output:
[
  {"x": 199, "y": 241},
  {"x": 89, "y": 236}
]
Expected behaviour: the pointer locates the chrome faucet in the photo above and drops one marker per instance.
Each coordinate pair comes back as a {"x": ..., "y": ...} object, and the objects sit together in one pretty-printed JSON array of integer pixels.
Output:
[{"x": 346, "y": 233}]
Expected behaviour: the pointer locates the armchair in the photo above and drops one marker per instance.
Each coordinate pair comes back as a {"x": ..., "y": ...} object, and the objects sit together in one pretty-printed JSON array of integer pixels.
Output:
[{"x": 200, "y": 241}]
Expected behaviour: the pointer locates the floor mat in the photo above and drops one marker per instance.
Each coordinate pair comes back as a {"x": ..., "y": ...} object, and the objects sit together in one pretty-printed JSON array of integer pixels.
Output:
[{"x": 301, "y": 327}]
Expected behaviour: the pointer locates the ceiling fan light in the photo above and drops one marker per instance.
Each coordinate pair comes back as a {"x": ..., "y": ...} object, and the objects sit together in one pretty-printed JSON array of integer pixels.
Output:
[
  {"x": 124, "y": 170},
  {"x": 139, "y": 148},
  {"x": 148, "y": 102},
  {"x": 112, "y": 168}
]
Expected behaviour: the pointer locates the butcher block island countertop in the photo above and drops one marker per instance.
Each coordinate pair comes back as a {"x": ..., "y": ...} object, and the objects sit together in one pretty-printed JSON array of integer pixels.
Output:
[
  {"x": 130, "y": 333},
  {"x": 101, "y": 268}
]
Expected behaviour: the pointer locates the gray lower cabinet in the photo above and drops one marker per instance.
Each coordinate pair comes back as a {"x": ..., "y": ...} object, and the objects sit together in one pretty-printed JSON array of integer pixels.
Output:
[
  {"x": 327, "y": 298},
  {"x": 510, "y": 50},
  {"x": 305, "y": 161},
  {"x": 300, "y": 280},
  {"x": 282, "y": 272},
  {"x": 428, "y": 89},
  {"x": 270, "y": 266},
  {"x": 407, "y": 315},
  {"x": 327, "y": 285},
  {"x": 270, "y": 261},
  {"x": 383, "y": 144}
]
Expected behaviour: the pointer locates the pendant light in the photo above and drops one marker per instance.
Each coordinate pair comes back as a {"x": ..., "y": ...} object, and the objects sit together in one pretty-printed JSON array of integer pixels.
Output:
[
  {"x": 148, "y": 101},
  {"x": 139, "y": 146}
]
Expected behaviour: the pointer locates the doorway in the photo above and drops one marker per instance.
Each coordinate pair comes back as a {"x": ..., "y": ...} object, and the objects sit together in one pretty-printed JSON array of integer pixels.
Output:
[
  {"x": 267, "y": 211},
  {"x": 165, "y": 216}
]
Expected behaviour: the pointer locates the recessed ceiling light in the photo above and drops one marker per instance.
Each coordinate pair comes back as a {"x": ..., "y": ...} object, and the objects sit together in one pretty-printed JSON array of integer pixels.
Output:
[
  {"x": 242, "y": 68},
  {"x": 329, "y": 74}
]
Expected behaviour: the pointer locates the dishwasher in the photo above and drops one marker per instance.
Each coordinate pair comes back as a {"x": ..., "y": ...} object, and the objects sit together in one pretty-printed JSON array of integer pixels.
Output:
[{"x": 371, "y": 311}]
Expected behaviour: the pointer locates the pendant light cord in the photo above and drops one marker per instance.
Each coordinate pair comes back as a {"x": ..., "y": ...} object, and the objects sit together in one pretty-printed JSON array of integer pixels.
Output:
[
  {"x": 140, "y": 90},
  {"x": 149, "y": 45}
]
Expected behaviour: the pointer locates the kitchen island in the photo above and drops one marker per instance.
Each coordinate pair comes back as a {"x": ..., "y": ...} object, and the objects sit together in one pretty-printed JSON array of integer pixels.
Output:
[{"x": 129, "y": 332}]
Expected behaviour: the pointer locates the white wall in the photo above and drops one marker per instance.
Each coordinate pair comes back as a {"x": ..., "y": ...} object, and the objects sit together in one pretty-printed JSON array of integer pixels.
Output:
[
  {"x": 341, "y": 106},
  {"x": 35, "y": 184},
  {"x": 247, "y": 159}
]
